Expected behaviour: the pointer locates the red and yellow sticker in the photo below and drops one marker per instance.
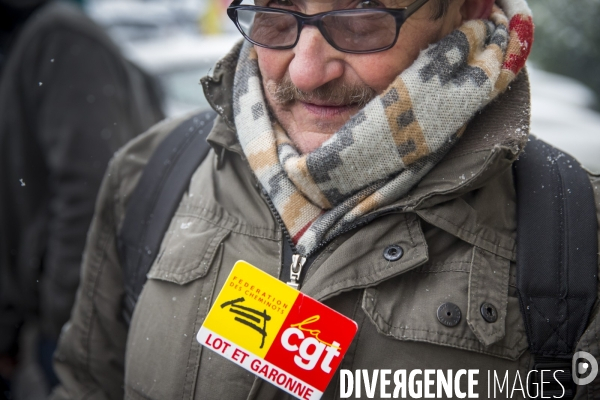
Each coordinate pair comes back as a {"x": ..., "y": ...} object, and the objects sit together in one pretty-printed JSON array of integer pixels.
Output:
[{"x": 276, "y": 332}]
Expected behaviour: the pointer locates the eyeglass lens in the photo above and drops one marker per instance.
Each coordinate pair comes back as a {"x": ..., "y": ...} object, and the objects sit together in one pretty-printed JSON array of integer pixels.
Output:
[{"x": 353, "y": 31}]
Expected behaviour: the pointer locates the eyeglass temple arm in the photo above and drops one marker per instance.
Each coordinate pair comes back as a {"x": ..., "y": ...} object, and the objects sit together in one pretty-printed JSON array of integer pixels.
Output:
[
  {"x": 235, "y": 3},
  {"x": 410, "y": 10}
]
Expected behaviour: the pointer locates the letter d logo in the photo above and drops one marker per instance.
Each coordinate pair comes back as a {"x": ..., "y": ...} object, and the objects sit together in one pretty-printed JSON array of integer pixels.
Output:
[{"x": 581, "y": 368}]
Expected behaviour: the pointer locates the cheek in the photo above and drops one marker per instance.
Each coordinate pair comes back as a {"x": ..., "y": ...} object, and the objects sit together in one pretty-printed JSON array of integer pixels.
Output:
[
  {"x": 273, "y": 64},
  {"x": 378, "y": 70}
]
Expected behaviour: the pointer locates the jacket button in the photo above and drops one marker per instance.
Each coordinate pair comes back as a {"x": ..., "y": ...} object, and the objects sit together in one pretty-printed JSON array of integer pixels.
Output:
[
  {"x": 449, "y": 314},
  {"x": 393, "y": 252},
  {"x": 489, "y": 312}
]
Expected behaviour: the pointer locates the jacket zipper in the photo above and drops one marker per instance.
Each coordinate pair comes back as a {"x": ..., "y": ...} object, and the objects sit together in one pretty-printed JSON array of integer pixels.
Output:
[
  {"x": 298, "y": 260},
  {"x": 296, "y": 270}
]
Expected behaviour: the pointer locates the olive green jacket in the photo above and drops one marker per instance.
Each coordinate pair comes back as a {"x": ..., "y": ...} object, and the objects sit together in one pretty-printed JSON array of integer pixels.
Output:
[{"x": 457, "y": 229}]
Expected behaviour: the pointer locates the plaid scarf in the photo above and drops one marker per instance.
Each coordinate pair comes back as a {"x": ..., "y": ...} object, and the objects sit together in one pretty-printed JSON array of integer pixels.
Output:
[{"x": 385, "y": 149}]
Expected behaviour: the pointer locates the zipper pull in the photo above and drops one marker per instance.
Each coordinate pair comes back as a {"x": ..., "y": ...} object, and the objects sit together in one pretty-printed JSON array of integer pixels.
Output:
[{"x": 295, "y": 271}]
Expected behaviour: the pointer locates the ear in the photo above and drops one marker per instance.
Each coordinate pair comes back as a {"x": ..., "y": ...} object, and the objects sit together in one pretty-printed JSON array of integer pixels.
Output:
[{"x": 476, "y": 9}]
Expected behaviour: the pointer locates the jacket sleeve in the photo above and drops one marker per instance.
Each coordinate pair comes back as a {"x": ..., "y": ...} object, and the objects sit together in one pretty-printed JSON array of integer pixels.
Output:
[{"x": 90, "y": 355}]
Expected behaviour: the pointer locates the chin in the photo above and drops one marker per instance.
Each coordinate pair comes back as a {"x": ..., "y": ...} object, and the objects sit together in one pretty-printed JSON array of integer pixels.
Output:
[{"x": 309, "y": 140}]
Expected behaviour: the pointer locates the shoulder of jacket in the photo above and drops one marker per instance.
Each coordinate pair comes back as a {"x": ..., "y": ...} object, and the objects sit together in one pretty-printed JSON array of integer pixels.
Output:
[
  {"x": 135, "y": 154},
  {"x": 594, "y": 177},
  {"x": 595, "y": 181},
  {"x": 128, "y": 163}
]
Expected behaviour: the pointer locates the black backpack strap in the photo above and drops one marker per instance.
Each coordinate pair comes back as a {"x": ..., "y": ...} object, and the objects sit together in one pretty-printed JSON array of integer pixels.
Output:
[
  {"x": 557, "y": 254},
  {"x": 155, "y": 199}
]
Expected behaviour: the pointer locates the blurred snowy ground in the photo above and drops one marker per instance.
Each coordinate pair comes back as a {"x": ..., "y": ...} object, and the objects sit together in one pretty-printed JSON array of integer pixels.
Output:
[{"x": 562, "y": 115}]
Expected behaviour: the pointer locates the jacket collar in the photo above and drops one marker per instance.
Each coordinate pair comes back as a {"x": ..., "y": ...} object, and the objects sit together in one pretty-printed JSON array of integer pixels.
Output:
[
  {"x": 492, "y": 142},
  {"x": 218, "y": 90}
]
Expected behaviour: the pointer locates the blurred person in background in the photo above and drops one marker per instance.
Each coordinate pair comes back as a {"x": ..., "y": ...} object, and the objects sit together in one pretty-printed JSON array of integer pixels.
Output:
[{"x": 68, "y": 101}]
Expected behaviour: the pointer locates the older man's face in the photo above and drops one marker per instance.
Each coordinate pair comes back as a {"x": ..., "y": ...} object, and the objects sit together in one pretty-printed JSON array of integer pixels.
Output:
[{"x": 313, "y": 89}]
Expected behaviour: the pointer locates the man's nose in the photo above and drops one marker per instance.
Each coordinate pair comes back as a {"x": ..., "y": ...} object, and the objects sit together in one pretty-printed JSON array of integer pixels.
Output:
[{"x": 315, "y": 62}]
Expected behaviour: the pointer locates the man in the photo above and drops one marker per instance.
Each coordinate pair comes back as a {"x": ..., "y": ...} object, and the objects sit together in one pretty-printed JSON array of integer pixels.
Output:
[
  {"x": 68, "y": 101},
  {"x": 383, "y": 164}
]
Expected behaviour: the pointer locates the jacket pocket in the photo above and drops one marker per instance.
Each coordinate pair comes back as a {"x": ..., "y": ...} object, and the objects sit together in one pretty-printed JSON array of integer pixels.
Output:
[
  {"x": 406, "y": 307},
  {"x": 188, "y": 249},
  {"x": 171, "y": 309}
]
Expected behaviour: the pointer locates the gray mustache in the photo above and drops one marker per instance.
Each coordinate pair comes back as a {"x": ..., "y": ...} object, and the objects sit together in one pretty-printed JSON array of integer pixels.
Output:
[{"x": 333, "y": 93}]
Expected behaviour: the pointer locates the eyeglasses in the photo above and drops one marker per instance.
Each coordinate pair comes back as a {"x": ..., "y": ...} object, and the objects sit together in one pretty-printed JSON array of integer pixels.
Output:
[{"x": 349, "y": 30}]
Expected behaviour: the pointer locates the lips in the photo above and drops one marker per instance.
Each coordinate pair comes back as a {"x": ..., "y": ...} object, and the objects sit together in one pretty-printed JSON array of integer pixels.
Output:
[{"x": 327, "y": 111}]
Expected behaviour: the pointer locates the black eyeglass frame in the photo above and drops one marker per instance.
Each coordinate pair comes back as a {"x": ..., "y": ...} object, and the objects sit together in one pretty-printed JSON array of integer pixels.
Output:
[{"x": 400, "y": 16}]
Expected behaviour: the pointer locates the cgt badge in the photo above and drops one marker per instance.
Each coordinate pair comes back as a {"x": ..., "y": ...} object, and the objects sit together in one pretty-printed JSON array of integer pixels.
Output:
[{"x": 276, "y": 332}]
